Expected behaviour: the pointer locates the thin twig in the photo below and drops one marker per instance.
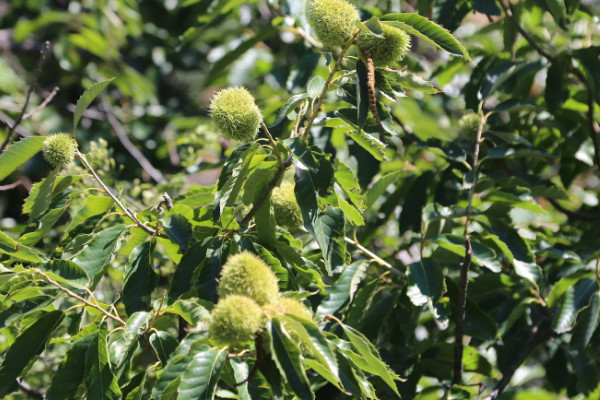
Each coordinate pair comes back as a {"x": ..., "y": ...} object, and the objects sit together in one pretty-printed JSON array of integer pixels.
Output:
[
  {"x": 128, "y": 144},
  {"x": 466, "y": 263},
  {"x": 374, "y": 256},
  {"x": 535, "y": 338},
  {"x": 78, "y": 297},
  {"x": 270, "y": 186},
  {"x": 275, "y": 149},
  {"x": 321, "y": 97},
  {"x": 301, "y": 32},
  {"x": 46, "y": 101},
  {"x": 125, "y": 210},
  {"x": 36, "y": 73},
  {"x": 25, "y": 387},
  {"x": 19, "y": 129}
]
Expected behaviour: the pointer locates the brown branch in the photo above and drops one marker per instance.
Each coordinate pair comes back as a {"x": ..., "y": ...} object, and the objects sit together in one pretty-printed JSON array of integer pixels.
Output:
[
  {"x": 270, "y": 186},
  {"x": 78, "y": 297},
  {"x": 125, "y": 210},
  {"x": 19, "y": 129},
  {"x": 321, "y": 97},
  {"x": 36, "y": 73},
  {"x": 372, "y": 93},
  {"x": 466, "y": 263},
  {"x": 44, "y": 103},
  {"x": 535, "y": 338},
  {"x": 128, "y": 144}
]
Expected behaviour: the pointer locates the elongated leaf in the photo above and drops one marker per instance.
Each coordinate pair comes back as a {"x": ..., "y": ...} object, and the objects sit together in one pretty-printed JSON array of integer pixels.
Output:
[
  {"x": 371, "y": 144},
  {"x": 368, "y": 358},
  {"x": 353, "y": 215},
  {"x": 353, "y": 378},
  {"x": 241, "y": 371},
  {"x": 329, "y": 232},
  {"x": 205, "y": 281},
  {"x": 177, "y": 364},
  {"x": 190, "y": 310},
  {"x": 22, "y": 308},
  {"x": 179, "y": 229},
  {"x": 41, "y": 227},
  {"x": 18, "y": 251},
  {"x": 586, "y": 324},
  {"x": 348, "y": 181},
  {"x": 86, "y": 99},
  {"x": 70, "y": 372},
  {"x": 123, "y": 349},
  {"x": 414, "y": 82},
  {"x": 100, "y": 382},
  {"x": 287, "y": 358},
  {"x": 140, "y": 278},
  {"x": 43, "y": 195},
  {"x": 29, "y": 344},
  {"x": 181, "y": 281},
  {"x": 362, "y": 94},
  {"x": 135, "y": 388},
  {"x": 19, "y": 153},
  {"x": 427, "y": 30},
  {"x": 66, "y": 271},
  {"x": 425, "y": 281},
  {"x": 566, "y": 315},
  {"x": 289, "y": 106},
  {"x": 343, "y": 289},
  {"x": 93, "y": 206},
  {"x": 99, "y": 252},
  {"x": 200, "y": 379},
  {"x": 163, "y": 344}
]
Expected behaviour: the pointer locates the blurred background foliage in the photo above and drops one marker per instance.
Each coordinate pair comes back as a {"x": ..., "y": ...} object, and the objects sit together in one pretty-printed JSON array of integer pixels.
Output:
[{"x": 536, "y": 70}]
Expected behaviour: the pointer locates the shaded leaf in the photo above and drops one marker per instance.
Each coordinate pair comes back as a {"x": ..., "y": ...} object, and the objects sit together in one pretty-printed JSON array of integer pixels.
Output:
[
  {"x": 86, "y": 99},
  {"x": 19, "y": 153},
  {"x": 343, "y": 289},
  {"x": 140, "y": 278},
  {"x": 200, "y": 379}
]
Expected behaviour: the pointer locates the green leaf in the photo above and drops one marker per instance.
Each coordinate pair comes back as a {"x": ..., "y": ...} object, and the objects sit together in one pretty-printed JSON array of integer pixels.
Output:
[
  {"x": 93, "y": 206},
  {"x": 181, "y": 280},
  {"x": 289, "y": 106},
  {"x": 427, "y": 30},
  {"x": 66, "y": 271},
  {"x": 343, "y": 289},
  {"x": 140, "y": 278},
  {"x": 29, "y": 344},
  {"x": 179, "y": 229},
  {"x": 41, "y": 227},
  {"x": 22, "y": 308},
  {"x": 241, "y": 372},
  {"x": 99, "y": 252},
  {"x": 368, "y": 358},
  {"x": 586, "y": 324},
  {"x": 86, "y": 99},
  {"x": 163, "y": 344},
  {"x": 190, "y": 310},
  {"x": 17, "y": 251},
  {"x": 125, "y": 347},
  {"x": 329, "y": 229},
  {"x": 353, "y": 215},
  {"x": 205, "y": 280},
  {"x": 19, "y": 153},
  {"x": 177, "y": 364},
  {"x": 414, "y": 82},
  {"x": 425, "y": 281},
  {"x": 200, "y": 379},
  {"x": 100, "y": 382},
  {"x": 286, "y": 355},
  {"x": 135, "y": 388},
  {"x": 315, "y": 86},
  {"x": 43, "y": 196},
  {"x": 348, "y": 181},
  {"x": 556, "y": 84},
  {"x": 362, "y": 94},
  {"x": 371, "y": 144},
  {"x": 70, "y": 372}
]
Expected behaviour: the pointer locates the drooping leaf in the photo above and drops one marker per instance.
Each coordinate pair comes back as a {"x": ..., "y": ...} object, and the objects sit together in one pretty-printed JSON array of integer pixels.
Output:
[
  {"x": 17, "y": 251},
  {"x": 425, "y": 281},
  {"x": 427, "y": 30},
  {"x": 181, "y": 280},
  {"x": 70, "y": 372},
  {"x": 86, "y": 217},
  {"x": 343, "y": 289},
  {"x": 100, "y": 382},
  {"x": 86, "y": 99},
  {"x": 43, "y": 225},
  {"x": 99, "y": 252},
  {"x": 586, "y": 324},
  {"x": 414, "y": 82},
  {"x": 19, "y": 153},
  {"x": 200, "y": 379},
  {"x": 362, "y": 94},
  {"x": 163, "y": 344},
  {"x": 66, "y": 271},
  {"x": 140, "y": 278},
  {"x": 289, "y": 106},
  {"x": 43, "y": 196},
  {"x": 179, "y": 229},
  {"x": 29, "y": 344},
  {"x": 22, "y": 308}
]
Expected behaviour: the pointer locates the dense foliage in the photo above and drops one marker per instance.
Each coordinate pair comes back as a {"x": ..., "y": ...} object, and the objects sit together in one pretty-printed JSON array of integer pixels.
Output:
[{"x": 251, "y": 214}]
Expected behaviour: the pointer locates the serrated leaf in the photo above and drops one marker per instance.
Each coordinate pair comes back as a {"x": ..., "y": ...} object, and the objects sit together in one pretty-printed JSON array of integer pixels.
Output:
[
  {"x": 371, "y": 144},
  {"x": 66, "y": 271},
  {"x": 22, "y": 308},
  {"x": 179, "y": 229},
  {"x": 329, "y": 229},
  {"x": 100, "y": 382},
  {"x": 70, "y": 372},
  {"x": 93, "y": 206},
  {"x": 289, "y": 106},
  {"x": 181, "y": 280},
  {"x": 205, "y": 280},
  {"x": 140, "y": 278},
  {"x": 348, "y": 181},
  {"x": 99, "y": 252},
  {"x": 163, "y": 344},
  {"x": 200, "y": 379},
  {"x": 425, "y": 281},
  {"x": 343, "y": 289},
  {"x": 17, "y": 251},
  {"x": 19, "y": 153},
  {"x": 43, "y": 196},
  {"x": 586, "y": 324},
  {"x": 427, "y": 30},
  {"x": 368, "y": 358},
  {"x": 287, "y": 358},
  {"x": 350, "y": 211},
  {"x": 42, "y": 226},
  {"x": 29, "y": 344},
  {"x": 86, "y": 99},
  {"x": 566, "y": 315},
  {"x": 414, "y": 82}
]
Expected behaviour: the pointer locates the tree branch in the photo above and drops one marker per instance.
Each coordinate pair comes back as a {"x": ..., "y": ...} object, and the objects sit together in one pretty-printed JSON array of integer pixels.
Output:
[
  {"x": 466, "y": 263},
  {"x": 44, "y": 103},
  {"x": 25, "y": 387},
  {"x": 374, "y": 256},
  {"x": 36, "y": 73}
]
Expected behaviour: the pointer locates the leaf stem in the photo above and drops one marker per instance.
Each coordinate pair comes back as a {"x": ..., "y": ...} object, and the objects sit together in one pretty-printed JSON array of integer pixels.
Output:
[
  {"x": 336, "y": 67},
  {"x": 374, "y": 256},
  {"x": 275, "y": 149},
  {"x": 78, "y": 297},
  {"x": 466, "y": 263},
  {"x": 125, "y": 210}
]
